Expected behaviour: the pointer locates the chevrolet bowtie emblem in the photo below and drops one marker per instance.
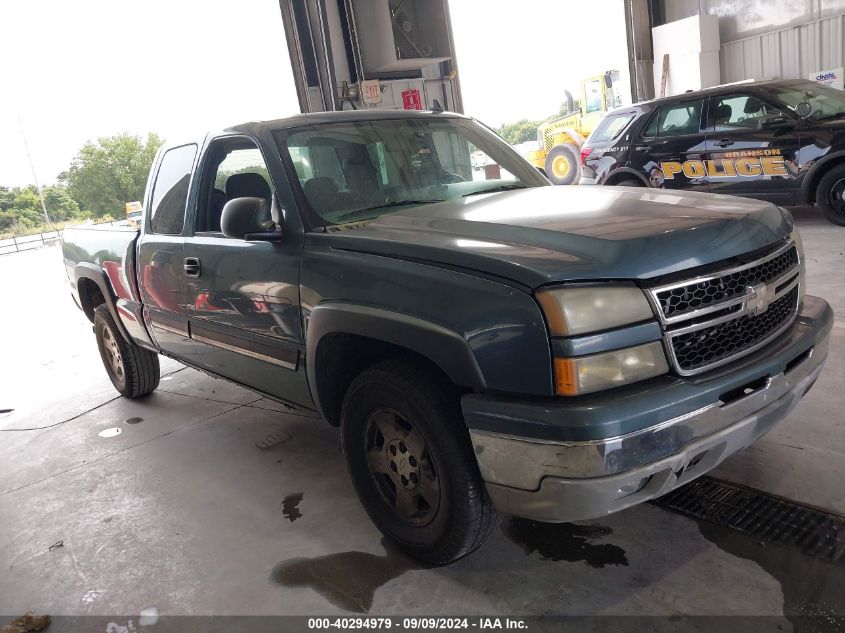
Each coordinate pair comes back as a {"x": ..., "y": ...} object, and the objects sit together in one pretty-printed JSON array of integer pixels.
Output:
[{"x": 759, "y": 298}]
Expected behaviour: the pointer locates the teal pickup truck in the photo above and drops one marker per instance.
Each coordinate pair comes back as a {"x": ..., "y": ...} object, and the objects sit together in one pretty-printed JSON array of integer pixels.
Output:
[{"x": 484, "y": 340}]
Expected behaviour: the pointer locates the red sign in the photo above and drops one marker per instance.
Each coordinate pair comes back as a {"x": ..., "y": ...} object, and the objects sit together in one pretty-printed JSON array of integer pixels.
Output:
[{"x": 411, "y": 99}]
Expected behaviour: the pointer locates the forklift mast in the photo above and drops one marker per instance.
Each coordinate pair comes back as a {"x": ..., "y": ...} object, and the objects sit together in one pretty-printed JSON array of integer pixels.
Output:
[{"x": 361, "y": 54}]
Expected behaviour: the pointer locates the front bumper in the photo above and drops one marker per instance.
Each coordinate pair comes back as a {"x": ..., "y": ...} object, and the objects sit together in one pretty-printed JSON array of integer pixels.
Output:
[{"x": 559, "y": 481}]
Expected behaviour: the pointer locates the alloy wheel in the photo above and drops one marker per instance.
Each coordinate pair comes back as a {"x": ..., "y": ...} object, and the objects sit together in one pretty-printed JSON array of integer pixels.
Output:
[{"x": 401, "y": 464}]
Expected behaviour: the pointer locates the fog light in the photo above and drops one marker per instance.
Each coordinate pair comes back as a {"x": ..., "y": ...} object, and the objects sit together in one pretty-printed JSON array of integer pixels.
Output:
[{"x": 628, "y": 489}]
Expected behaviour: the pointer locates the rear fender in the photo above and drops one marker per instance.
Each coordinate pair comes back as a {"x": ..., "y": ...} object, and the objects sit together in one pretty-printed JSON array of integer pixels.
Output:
[
  {"x": 622, "y": 173},
  {"x": 97, "y": 275},
  {"x": 812, "y": 177}
]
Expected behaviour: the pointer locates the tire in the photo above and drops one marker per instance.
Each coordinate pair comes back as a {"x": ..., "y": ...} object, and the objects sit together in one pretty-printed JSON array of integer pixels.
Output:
[
  {"x": 830, "y": 195},
  {"x": 629, "y": 182},
  {"x": 433, "y": 505},
  {"x": 562, "y": 166},
  {"x": 133, "y": 371}
]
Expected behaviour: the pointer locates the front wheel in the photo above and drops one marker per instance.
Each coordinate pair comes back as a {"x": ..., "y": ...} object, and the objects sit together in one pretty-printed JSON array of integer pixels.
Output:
[
  {"x": 830, "y": 195},
  {"x": 133, "y": 371},
  {"x": 411, "y": 462},
  {"x": 562, "y": 164}
]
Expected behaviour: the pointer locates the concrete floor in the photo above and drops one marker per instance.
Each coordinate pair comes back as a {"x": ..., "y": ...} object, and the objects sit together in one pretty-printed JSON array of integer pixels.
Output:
[{"x": 212, "y": 501}]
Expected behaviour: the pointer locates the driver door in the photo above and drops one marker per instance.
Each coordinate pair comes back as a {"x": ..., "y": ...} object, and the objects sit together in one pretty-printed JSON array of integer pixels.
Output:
[{"x": 243, "y": 296}]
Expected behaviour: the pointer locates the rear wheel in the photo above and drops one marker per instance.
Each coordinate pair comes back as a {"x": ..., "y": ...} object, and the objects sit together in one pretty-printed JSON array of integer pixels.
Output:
[
  {"x": 411, "y": 462},
  {"x": 133, "y": 371},
  {"x": 830, "y": 195},
  {"x": 629, "y": 182},
  {"x": 562, "y": 164}
]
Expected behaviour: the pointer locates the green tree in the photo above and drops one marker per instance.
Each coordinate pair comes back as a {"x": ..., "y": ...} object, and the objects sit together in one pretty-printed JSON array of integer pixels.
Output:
[
  {"x": 576, "y": 107},
  {"x": 60, "y": 205},
  {"x": 519, "y": 132},
  {"x": 110, "y": 172}
]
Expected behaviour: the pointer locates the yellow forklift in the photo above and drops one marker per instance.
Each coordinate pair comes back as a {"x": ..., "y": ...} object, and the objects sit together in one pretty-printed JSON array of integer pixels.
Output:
[{"x": 559, "y": 140}]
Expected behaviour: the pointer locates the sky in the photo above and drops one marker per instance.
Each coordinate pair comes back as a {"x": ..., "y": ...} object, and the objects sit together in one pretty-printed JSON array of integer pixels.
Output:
[{"x": 76, "y": 70}]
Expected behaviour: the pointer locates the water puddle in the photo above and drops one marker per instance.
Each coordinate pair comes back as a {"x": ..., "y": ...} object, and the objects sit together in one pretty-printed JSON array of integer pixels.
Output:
[
  {"x": 564, "y": 541},
  {"x": 290, "y": 507},
  {"x": 812, "y": 588},
  {"x": 348, "y": 580},
  {"x": 112, "y": 432}
]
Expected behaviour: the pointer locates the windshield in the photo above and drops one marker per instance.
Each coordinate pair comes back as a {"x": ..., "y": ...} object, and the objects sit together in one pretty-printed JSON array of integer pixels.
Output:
[
  {"x": 360, "y": 170},
  {"x": 824, "y": 102}
]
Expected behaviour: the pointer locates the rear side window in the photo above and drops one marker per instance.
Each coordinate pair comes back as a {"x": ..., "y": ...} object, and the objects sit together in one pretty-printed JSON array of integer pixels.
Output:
[
  {"x": 170, "y": 192},
  {"x": 676, "y": 120},
  {"x": 611, "y": 128}
]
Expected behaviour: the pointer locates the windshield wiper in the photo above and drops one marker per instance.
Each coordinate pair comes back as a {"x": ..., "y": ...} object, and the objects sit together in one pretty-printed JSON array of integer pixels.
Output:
[
  {"x": 495, "y": 189},
  {"x": 395, "y": 203}
]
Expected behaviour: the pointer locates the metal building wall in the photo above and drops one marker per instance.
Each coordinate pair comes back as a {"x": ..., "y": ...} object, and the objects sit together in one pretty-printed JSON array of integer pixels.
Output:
[
  {"x": 769, "y": 39},
  {"x": 786, "y": 53}
]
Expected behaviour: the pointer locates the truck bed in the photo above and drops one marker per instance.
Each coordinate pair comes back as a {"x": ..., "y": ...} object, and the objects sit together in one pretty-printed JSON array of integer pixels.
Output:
[{"x": 110, "y": 248}]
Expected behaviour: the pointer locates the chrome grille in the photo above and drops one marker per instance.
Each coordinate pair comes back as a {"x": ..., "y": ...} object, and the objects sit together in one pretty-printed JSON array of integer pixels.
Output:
[
  {"x": 684, "y": 298},
  {"x": 712, "y": 320}
]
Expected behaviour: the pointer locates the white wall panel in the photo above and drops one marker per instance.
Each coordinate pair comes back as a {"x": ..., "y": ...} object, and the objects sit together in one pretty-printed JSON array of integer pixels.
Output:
[{"x": 786, "y": 53}]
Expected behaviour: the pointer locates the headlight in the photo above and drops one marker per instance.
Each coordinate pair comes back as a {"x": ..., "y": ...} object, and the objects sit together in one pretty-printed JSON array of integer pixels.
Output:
[
  {"x": 586, "y": 374},
  {"x": 802, "y": 267},
  {"x": 582, "y": 309}
]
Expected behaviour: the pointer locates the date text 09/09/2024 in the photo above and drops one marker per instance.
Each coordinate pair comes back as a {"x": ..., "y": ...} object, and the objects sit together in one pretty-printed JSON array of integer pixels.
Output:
[{"x": 418, "y": 623}]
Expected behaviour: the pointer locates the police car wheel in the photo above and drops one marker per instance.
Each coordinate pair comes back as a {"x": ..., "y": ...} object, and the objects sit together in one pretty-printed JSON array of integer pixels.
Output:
[
  {"x": 630, "y": 182},
  {"x": 562, "y": 165},
  {"x": 830, "y": 195}
]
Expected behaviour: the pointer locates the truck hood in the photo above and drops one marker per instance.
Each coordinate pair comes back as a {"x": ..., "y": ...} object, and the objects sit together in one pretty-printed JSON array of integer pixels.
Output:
[{"x": 552, "y": 234}]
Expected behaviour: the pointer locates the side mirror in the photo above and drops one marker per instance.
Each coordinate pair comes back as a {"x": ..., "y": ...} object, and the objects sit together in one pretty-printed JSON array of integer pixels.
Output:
[
  {"x": 250, "y": 219},
  {"x": 803, "y": 109}
]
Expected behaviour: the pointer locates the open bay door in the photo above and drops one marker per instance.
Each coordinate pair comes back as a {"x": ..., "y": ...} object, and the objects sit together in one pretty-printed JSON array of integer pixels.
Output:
[{"x": 356, "y": 54}]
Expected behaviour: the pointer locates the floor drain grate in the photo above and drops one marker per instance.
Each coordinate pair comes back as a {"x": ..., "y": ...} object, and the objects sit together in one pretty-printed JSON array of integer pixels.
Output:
[{"x": 762, "y": 516}]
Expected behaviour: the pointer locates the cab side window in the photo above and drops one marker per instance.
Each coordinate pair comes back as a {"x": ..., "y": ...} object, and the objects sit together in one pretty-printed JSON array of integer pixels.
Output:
[
  {"x": 676, "y": 120},
  {"x": 235, "y": 169},
  {"x": 592, "y": 96},
  {"x": 170, "y": 192},
  {"x": 733, "y": 112}
]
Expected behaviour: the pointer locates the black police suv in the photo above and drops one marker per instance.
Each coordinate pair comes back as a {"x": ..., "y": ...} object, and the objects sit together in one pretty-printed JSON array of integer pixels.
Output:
[{"x": 781, "y": 141}]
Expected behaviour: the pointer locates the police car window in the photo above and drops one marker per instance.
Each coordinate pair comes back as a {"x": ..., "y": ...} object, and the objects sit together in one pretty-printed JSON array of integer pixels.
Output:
[
  {"x": 737, "y": 112},
  {"x": 611, "y": 128},
  {"x": 676, "y": 120}
]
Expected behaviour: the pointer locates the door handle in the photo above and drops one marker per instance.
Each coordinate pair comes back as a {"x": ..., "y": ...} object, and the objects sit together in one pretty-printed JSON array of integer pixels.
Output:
[
  {"x": 191, "y": 265},
  {"x": 725, "y": 142},
  {"x": 642, "y": 148}
]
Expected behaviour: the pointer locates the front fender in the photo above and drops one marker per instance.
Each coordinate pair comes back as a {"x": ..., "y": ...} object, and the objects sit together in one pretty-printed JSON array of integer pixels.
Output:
[{"x": 445, "y": 348}]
